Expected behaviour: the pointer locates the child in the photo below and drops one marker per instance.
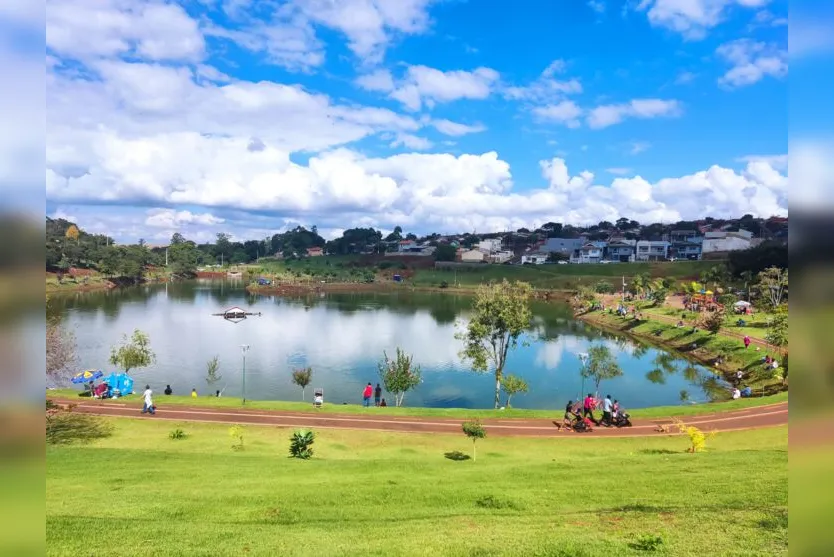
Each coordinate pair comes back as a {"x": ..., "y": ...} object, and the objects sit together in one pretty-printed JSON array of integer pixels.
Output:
[
  {"x": 383, "y": 403},
  {"x": 193, "y": 393}
]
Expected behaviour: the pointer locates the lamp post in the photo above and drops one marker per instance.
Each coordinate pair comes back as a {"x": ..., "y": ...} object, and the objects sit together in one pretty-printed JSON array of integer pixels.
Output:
[
  {"x": 583, "y": 357},
  {"x": 244, "y": 348}
]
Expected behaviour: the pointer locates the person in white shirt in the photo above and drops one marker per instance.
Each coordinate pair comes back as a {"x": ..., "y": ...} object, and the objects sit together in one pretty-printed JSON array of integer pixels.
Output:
[
  {"x": 607, "y": 407},
  {"x": 147, "y": 407},
  {"x": 736, "y": 393}
]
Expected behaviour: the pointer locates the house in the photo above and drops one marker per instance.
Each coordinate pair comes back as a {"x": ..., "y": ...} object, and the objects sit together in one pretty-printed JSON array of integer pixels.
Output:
[
  {"x": 500, "y": 257},
  {"x": 652, "y": 250},
  {"x": 562, "y": 245},
  {"x": 715, "y": 242},
  {"x": 315, "y": 252},
  {"x": 621, "y": 251},
  {"x": 590, "y": 252},
  {"x": 686, "y": 244},
  {"x": 472, "y": 256},
  {"x": 490, "y": 246},
  {"x": 537, "y": 258},
  {"x": 406, "y": 245}
]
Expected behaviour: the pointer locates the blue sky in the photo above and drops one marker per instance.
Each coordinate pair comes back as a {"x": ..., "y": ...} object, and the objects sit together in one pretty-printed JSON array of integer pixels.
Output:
[{"x": 446, "y": 115}]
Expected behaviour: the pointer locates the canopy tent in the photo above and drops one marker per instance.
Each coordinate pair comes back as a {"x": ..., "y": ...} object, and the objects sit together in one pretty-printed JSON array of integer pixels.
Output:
[
  {"x": 742, "y": 304},
  {"x": 86, "y": 376},
  {"x": 121, "y": 384}
]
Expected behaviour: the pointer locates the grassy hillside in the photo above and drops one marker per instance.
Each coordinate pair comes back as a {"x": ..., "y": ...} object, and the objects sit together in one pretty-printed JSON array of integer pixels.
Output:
[{"x": 374, "y": 493}]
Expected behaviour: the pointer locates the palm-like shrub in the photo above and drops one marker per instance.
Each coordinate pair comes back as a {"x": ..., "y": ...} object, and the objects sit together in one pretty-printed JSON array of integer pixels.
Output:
[{"x": 301, "y": 444}]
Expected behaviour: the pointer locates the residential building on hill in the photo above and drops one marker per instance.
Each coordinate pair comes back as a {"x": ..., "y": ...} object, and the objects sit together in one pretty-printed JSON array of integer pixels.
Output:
[
  {"x": 537, "y": 258},
  {"x": 652, "y": 250},
  {"x": 561, "y": 245},
  {"x": 621, "y": 251},
  {"x": 723, "y": 241}
]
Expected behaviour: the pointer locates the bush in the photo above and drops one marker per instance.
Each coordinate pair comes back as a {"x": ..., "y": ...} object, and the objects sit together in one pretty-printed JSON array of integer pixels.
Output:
[
  {"x": 444, "y": 284},
  {"x": 647, "y": 542},
  {"x": 301, "y": 444},
  {"x": 603, "y": 287},
  {"x": 236, "y": 433},
  {"x": 64, "y": 428},
  {"x": 177, "y": 434}
]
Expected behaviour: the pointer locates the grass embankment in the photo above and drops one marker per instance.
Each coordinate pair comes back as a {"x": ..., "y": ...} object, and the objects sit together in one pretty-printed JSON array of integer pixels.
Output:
[
  {"x": 755, "y": 324},
  {"x": 352, "y": 269},
  {"x": 374, "y": 493},
  {"x": 92, "y": 281},
  {"x": 700, "y": 345},
  {"x": 462, "y": 413}
]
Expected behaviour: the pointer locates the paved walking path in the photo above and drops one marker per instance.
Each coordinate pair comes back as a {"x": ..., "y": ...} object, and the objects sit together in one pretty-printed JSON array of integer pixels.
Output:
[{"x": 762, "y": 416}]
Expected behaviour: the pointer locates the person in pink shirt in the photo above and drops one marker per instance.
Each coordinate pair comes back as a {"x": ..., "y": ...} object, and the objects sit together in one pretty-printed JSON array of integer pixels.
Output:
[
  {"x": 746, "y": 341},
  {"x": 367, "y": 394},
  {"x": 588, "y": 406}
]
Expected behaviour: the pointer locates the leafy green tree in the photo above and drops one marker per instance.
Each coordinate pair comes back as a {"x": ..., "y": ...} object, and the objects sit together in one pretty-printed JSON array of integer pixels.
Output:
[
  {"x": 399, "y": 375},
  {"x": 711, "y": 321},
  {"x": 773, "y": 285},
  {"x": 212, "y": 367},
  {"x": 474, "y": 430},
  {"x": 501, "y": 313},
  {"x": 134, "y": 352},
  {"x": 302, "y": 377},
  {"x": 445, "y": 252},
  {"x": 601, "y": 365},
  {"x": 513, "y": 384}
]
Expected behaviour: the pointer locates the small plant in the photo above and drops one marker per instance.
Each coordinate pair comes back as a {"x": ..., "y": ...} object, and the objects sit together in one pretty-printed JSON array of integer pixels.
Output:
[
  {"x": 444, "y": 284},
  {"x": 302, "y": 377},
  {"x": 513, "y": 384},
  {"x": 399, "y": 375},
  {"x": 474, "y": 430},
  {"x": 697, "y": 438},
  {"x": 684, "y": 395},
  {"x": 603, "y": 287},
  {"x": 236, "y": 433},
  {"x": 647, "y": 542},
  {"x": 301, "y": 444},
  {"x": 211, "y": 371},
  {"x": 492, "y": 502},
  {"x": 177, "y": 434}
]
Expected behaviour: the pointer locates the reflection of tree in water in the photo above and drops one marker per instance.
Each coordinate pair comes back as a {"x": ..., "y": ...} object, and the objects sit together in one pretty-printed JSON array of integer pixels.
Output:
[{"x": 656, "y": 376}]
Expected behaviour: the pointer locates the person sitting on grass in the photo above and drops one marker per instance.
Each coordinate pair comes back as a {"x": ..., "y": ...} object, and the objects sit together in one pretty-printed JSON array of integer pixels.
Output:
[
  {"x": 168, "y": 390},
  {"x": 193, "y": 393},
  {"x": 383, "y": 403}
]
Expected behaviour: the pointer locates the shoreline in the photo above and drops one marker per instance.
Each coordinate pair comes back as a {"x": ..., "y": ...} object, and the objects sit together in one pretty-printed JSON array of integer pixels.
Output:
[{"x": 350, "y": 287}]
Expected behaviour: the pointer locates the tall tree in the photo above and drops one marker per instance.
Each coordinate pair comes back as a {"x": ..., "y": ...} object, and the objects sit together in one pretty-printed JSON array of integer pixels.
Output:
[
  {"x": 73, "y": 233},
  {"x": 601, "y": 365},
  {"x": 773, "y": 284},
  {"x": 501, "y": 313},
  {"x": 134, "y": 352}
]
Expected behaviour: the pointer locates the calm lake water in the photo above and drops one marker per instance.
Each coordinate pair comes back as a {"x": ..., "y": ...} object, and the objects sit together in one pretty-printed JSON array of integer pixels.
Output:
[{"x": 343, "y": 336}]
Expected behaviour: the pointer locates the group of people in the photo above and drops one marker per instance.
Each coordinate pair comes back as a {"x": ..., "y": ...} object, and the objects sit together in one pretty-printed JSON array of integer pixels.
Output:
[
  {"x": 584, "y": 411},
  {"x": 169, "y": 391},
  {"x": 369, "y": 392}
]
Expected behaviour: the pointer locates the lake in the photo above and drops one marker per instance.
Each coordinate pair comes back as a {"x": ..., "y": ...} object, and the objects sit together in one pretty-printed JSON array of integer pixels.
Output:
[{"x": 343, "y": 337}]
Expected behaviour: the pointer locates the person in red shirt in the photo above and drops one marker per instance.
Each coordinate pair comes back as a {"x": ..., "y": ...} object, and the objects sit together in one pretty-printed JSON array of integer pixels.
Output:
[
  {"x": 588, "y": 406},
  {"x": 367, "y": 394}
]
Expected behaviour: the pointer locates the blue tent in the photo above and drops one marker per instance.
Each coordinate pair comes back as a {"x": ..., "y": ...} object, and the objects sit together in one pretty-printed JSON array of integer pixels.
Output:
[{"x": 121, "y": 383}]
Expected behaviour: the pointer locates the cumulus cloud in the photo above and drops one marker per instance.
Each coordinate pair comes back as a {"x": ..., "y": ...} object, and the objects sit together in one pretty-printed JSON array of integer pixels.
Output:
[
  {"x": 545, "y": 89},
  {"x": 608, "y": 115},
  {"x": 565, "y": 112},
  {"x": 751, "y": 61},
  {"x": 170, "y": 218},
  {"x": 692, "y": 18},
  {"x": 423, "y": 86},
  {"x": 154, "y": 30}
]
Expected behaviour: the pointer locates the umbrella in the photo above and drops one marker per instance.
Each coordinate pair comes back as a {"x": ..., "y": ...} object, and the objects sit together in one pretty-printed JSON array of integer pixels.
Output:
[
  {"x": 741, "y": 304},
  {"x": 87, "y": 375}
]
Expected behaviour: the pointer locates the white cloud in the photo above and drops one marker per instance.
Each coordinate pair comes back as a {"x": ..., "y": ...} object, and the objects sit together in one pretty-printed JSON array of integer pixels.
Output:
[
  {"x": 566, "y": 112},
  {"x": 751, "y": 61},
  {"x": 455, "y": 129},
  {"x": 546, "y": 89},
  {"x": 692, "y": 18},
  {"x": 779, "y": 162},
  {"x": 637, "y": 147},
  {"x": 597, "y": 5},
  {"x": 153, "y": 30},
  {"x": 685, "y": 77},
  {"x": 608, "y": 115},
  {"x": 170, "y": 218},
  {"x": 412, "y": 142},
  {"x": 422, "y": 85},
  {"x": 619, "y": 171}
]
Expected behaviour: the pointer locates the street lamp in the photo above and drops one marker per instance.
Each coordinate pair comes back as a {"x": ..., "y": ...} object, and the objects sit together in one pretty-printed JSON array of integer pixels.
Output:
[
  {"x": 244, "y": 348},
  {"x": 583, "y": 357}
]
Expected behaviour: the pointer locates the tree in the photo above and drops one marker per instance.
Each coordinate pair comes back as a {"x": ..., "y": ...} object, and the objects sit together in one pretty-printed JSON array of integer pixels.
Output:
[
  {"x": 445, "y": 252},
  {"x": 773, "y": 283},
  {"x": 223, "y": 246},
  {"x": 777, "y": 335},
  {"x": 601, "y": 365},
  {"x": 61, "y": 354},
  {"x": 211, "y": 371},
  {"x": 134, "y": 352},
  {"x": 502, "y": 313},
  {"x": 474, "y": 430},
  {"x": 512, "y": 385},
  {"x": 711, "y": 321},
  {"x": 177, "y": 238},
  {"x": 73, "y": 233},
  {"x": 302, "y": 377},
  {"x": 399, "y": 375}
]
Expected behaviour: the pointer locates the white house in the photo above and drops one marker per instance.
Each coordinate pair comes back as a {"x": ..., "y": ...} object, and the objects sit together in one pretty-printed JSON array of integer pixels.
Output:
[
  {"x": 534, "y": 258},
  {"x": 650, "y": 250},
  {"x": 500, "y": 257},
  {"x": 727, "y": 241},
  {"x": 490, "y": 246},
  {"x": 590, "y": 252},
  {"x": 472, "y": 256}
]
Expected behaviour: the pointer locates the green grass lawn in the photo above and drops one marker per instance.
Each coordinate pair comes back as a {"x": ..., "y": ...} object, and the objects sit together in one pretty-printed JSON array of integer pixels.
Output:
[
  {"x": 463, "y": 413},
  {"x": 374, "y": 493}
]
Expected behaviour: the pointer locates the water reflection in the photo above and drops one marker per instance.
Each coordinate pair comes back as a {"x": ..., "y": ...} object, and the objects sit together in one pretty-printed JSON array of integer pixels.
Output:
[{"x": 343, "y": 336}]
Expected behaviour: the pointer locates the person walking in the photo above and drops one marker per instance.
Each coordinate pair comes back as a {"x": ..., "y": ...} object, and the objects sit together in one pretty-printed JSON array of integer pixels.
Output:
[
  {"x": 746, "y": 342},
  {"x": 377, "y": 394},
  {"x": 607, "y": 408},
  {"x": 588, "y": 408},
  {"x": 147, "y": 406},
  {"x": 366, "y": 395}
]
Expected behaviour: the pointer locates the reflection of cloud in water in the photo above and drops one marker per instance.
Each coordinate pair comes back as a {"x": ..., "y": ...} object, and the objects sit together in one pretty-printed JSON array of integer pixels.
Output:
[{"x": 549, "y": 354}]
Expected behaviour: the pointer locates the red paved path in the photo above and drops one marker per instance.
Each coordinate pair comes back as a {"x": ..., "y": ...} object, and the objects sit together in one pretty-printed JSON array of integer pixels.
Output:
[{"x": 762, "y": 416}]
